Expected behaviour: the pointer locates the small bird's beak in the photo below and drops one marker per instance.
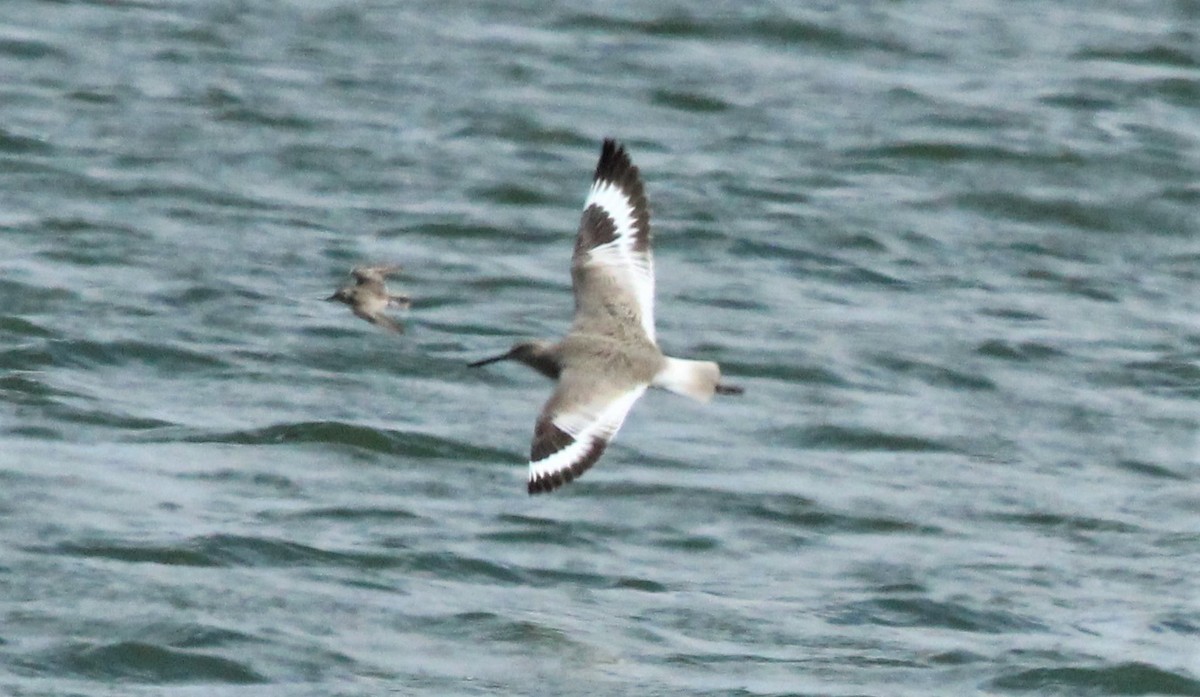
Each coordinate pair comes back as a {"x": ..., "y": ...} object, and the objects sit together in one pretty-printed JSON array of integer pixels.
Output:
[
  {"x": 493, "y": 359},
  {"x": 331, "y": 298}
]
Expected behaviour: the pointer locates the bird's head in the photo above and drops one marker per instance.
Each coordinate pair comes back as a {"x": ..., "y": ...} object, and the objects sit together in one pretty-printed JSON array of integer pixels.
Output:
[
  {"x": 343, "y": 295},
  {"x": 539, "y": 355}
]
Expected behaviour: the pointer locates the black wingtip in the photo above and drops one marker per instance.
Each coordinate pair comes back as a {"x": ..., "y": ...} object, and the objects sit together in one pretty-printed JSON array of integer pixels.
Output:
[
  {"x": 615, "y": 167},
  {"x": 614, "y": 164},
  {"x": 548, "y": 439},
  {"x": 552, "y": 481}
]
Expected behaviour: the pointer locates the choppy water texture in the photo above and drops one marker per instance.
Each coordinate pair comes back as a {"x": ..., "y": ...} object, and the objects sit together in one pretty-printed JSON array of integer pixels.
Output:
[{"x": 951, "y": 250}]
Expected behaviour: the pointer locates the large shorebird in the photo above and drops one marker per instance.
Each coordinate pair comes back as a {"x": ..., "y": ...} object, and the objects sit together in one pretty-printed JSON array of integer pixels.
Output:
[
  {"x": 609, "y": 356},
  {"x": 368, "y": 295}
]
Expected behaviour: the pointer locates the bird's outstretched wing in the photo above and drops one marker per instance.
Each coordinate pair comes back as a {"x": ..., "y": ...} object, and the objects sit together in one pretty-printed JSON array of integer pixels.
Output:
[
  {"x": 612, "y": 268},
  {"x": 377, "y": 273},
  {"x": 574, "y": 428},
  {"x": 382, "y": 321}
]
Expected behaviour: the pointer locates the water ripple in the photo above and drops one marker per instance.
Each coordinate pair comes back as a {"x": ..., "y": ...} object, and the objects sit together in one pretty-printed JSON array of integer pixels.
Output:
[
  {"x": 776, "y": 29},
  {"x": 859, "y": 439},
  {"x": 13, "y": 143},
  {"x": 221, "y": 551},
  {"x": 145, "y": 663},
  {"x": 416, "y": 445},
  {"x": 1129, "y": 678},
  {"x": 925, "y": 612},
  {"x": 953, "y": 251}
]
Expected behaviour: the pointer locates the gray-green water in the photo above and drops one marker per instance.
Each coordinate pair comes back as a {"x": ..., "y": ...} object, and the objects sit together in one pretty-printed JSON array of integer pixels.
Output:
[{"x": 951, "y": 249}]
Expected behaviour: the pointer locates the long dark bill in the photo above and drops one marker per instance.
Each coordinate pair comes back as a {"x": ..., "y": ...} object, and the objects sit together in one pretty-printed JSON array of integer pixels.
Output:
[
  {"x": 726, "y": 388},
  {"x": 493, "y": 359}
]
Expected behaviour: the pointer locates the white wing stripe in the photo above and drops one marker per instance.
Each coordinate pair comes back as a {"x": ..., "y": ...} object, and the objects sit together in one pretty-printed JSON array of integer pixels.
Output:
[
  {"x": 585, "y": 427},
  {"x": 613, "y": 201},
  {"x": 620, "y": 254},
  {"x": 561, "y": 460}
]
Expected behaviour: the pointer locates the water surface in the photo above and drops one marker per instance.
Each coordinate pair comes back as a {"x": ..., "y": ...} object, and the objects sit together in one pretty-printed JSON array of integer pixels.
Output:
[{"x": 951, "y": 251}]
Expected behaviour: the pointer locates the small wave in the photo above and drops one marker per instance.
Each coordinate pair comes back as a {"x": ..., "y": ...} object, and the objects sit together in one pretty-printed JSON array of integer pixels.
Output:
[
  {"x": 864, "y": 439},
  {"x": 19, "y": 328},
  {"x": 1025, "y": 351},
  {"x": 935, "y": 375},
  {"x": 1073, "y": 213},
  {"x": 520, "y": 529},
  {"x": 348, "y": 513},
  {"x": 789, "y": 373},
  {"x": 801, "y": 513},
  {"x": 461, "y": 568},
  {"x": 417, "y": 445},
  {"x": 330, "y": 432},
  {"x": 1080, "y": 100},
  {"x": 496, "y": 630},
  {"x": 1169, "y": 56},
  {"x": 27, "y": 358},
  {"x": 777, "y": 29},
  {"x": 190, "y": 635},
  {"x": 89, "y": 354},
  {"x": 1123, "y": 679},
  {"x": 1073, "y": 285},
  {"x": 142, "y": 662},
  {"x": 1013, "y": 314},
  {"x": 16, "y": 144},
  {"x": 512, "y": 194},
  {"x": 222, "y": 551},
  {"x": 689, "y": 101},
  {"x": 26, "y": 388},
  {"x": 524, "y": 130},
  {"x": 102, "y": 416},
  {"x": 782, "y": 512},
  {"x": 1151, "y": 469},
  {"x": 59, "y": 407},
  {"x": 94, "y": 95},
  {"x": 1066, "y": 523},
  {"x": 261, "y": 117},
  {"x": 925, "y": 612},
  {"x": 22, "y": 298},
  {"x": 1180, "y": 624},
  {"x": 951, "y": 152},
  {"x": 1169, "y": 374},
  {"x": 817, "y": 265},
  {"x": 461, "y": 231},
  {"x": 30, "y": 49},
  {"x": 192, "y": 193}
]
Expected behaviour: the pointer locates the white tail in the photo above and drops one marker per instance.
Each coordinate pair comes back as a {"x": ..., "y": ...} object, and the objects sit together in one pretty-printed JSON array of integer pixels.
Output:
[{"x": 695, "y": 379}]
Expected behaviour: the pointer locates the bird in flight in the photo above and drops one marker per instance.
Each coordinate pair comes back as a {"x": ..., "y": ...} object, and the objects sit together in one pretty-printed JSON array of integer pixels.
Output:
[
  {"x": 610, "y": 354},
  {"x": 368, "y": 295}
]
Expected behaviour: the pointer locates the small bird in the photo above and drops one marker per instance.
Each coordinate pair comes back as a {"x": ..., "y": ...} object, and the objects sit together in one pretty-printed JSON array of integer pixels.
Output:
[
  {"x": 368, "y": 296},
  {"x": 609, "y": 355}
]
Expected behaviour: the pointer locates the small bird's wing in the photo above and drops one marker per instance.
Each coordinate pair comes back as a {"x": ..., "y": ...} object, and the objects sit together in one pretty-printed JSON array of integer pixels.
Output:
[
  {"x": 612, "y": 268},
  {"x": 382, "y": 321},
  {"x": 389, "y": 324},
  {"x": 574, "y": 428},
  {"x": 377, "y": 273}
]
